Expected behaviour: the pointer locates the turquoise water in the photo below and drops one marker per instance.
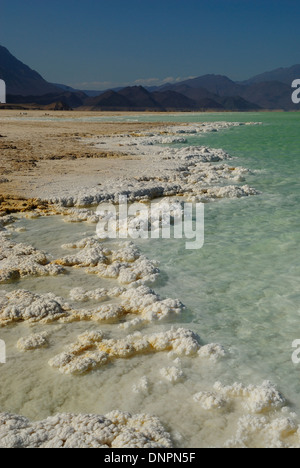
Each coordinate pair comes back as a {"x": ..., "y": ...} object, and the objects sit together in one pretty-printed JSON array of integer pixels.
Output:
[{"x": 242, "y": 288}]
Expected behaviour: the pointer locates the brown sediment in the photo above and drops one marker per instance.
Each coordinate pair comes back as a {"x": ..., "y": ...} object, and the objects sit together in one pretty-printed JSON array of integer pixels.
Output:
[{"x": 13, "y": 204}]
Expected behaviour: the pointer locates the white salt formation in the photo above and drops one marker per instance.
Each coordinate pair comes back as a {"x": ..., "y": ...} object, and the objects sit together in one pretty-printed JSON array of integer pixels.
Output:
[
  {"x": 216, "y": 193},
  {"x": 90, "y": 253},
  {"x": 266, "y": 432},
  {"x": 255, "y": 399},
  {"x": 182, "y": 171},
  {"x": 172, "y": 374},
  {"x": 108, "y": 313},
  {"x": 160, "y": 215},
  {"x": 142, "y": 386},
  {"x": 92, "y": 350},
  {"x": 21, "y": 306},
  {"x": 212, "y": 351},
  {"x": 75, "y": 215},
  {"x": 20, "y": 260},
  {"x": 127, "y": 264},
  {"x": 35, "y": 341},
  {"x": 99, "y": 295},
  {"x": 209, "y": 400},
  {"x": 115, "y": 430},
  {"x": 145, "y": 302},
  {"x": 260, "y": 417},
  {"x": 141, "y": 301}
]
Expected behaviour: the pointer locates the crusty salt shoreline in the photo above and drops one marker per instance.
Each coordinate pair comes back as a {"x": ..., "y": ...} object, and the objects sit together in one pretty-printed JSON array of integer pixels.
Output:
[
  {"x": 115, "y": 430},
  {"x": 197, "y": 174},
  {"x": 159, "y": 170}
]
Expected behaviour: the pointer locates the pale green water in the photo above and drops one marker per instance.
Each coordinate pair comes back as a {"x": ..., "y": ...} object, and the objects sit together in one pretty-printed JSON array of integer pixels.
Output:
[
  {"x": 241, "y": 290},
  {"x": 243, "y": 287}
]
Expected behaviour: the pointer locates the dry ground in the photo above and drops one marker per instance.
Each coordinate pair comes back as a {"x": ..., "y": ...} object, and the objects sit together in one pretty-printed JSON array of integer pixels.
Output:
[{"x": 35, "y": 155}]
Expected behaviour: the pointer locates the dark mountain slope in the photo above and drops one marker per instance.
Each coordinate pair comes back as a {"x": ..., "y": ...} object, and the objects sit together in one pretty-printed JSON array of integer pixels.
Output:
[
  {"x": 173, "y": 100},
  {"x": 216, "y": 84},
  {"x": 270, "y": 95},
  {"x": 20, "y": 79},
  {"x": 108, "y": 100},
  {"x": 70, "y": 100},
  {"x": 139, "y": 97},
  {"x": 283, "y": 75}
]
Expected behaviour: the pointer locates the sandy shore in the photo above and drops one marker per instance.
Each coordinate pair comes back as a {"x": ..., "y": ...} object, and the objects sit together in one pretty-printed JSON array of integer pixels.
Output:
[
  {"x": 40, "y": 157},
  {"x": 64, "y": 158}
]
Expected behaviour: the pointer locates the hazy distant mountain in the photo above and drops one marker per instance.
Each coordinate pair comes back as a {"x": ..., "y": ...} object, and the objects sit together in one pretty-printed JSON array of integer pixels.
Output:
[
  {"x": 207, "y": 104},
  {"x": 236, "y": 96},
  {"x": 204, "y": 99},
  {"x": 237, "y": 103},
  {"x": 129, "y": 98},
  {"x": 270, "y": 95},
  {"x": 93, "y": 93},
  {"x": 271, "y": 90},
  {"x": 65, "y": 87},
  {"x": 172, "y": 100},
  {"x": 283, "y": 75},
  {"x": 138, "y": 98},
  {"x": 196, "y": 94},
  {"x": 20, "y": 79},
  {"x": 90, "y": 93},
  {"x": 216, "y": 84}
]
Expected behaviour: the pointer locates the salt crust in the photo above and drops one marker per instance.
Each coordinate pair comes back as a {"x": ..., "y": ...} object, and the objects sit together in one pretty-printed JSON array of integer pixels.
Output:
[
  {"x": 34, "y": 341},
  {"x": 142, "y": 386},
  {"x": 115, "y": 430},
  {"x": 127, "y": 264},
  {"x": 92, "y": 350},
  {"x": 21, "y": 306},
  {"x": 172, "y": 374},
  {"x": 188, "y": 170},
  {"x": 146, "y": 219},
  {"x": 264, "y": 422},
  {"x": 212, "y": 351},
  {"x": 25, "y": 306},
  {"x": 266, "y": 432},
  {"x": 141, "y": 301},
  {"x": 21, "y": 260},
  {"x": 255, "y": 399}
]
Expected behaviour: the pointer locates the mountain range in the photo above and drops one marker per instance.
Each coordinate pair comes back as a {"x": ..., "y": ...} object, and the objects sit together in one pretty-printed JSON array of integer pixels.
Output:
[{"x": 267, "y": 91}]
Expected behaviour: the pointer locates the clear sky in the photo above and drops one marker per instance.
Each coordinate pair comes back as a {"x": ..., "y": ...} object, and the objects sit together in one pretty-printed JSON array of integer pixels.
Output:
[{"x": 106, "y": 43}]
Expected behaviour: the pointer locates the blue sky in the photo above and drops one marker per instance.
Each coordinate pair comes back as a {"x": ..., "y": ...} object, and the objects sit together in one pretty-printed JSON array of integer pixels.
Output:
[{"x": 102, "y": 44}]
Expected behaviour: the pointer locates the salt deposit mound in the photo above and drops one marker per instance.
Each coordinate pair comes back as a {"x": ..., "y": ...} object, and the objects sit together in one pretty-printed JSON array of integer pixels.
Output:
[
  {"x": 115, "y": 430},
  {"x": 20, "y": 260}
]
